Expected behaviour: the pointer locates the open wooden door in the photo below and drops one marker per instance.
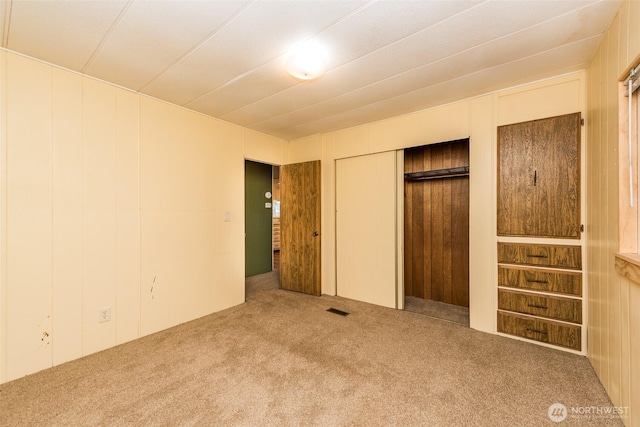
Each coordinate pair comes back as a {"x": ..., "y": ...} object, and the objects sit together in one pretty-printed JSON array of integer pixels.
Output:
[{"x": 300, "y": 227}]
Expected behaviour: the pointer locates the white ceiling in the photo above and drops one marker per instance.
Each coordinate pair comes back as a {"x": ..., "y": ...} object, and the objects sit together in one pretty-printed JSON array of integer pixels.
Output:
[{"x": 388, "y": 57}]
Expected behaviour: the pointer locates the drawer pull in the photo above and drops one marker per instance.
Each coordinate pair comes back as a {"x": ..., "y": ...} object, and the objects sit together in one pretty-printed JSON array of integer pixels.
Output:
[
  {"x": 537, "y": 256},
  {"x": 537, "y": 281},
  {"x": 544, "y": 307},
  {"x": 537, "y": 331}
]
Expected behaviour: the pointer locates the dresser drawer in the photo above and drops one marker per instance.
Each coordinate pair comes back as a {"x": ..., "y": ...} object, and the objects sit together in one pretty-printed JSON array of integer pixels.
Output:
[
  {"x": 558, "y": 308},
  {"x": 541, "y": 255},
  {"x": 540, "y": 280},
  {"x": 549, "y": 332}
]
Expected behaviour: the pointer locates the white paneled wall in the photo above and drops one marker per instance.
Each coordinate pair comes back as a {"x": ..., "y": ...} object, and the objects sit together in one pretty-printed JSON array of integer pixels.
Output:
[
  {"x": 98, "y": 213},
  {"x": 67, "y": 216},
  {"x": 127, "y": 261},
  {"x": 29, "y": 217},
  {"x": 482, "y": 214},
  {"x": 111, "y": 199}
]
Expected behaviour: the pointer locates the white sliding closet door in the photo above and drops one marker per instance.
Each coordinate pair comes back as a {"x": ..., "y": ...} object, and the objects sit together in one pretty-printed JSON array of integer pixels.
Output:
[{"x": 366, "y": 228}]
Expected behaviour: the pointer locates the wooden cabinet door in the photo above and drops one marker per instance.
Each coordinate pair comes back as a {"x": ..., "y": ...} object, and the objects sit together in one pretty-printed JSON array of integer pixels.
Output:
[{"x": 539, "y": 178}]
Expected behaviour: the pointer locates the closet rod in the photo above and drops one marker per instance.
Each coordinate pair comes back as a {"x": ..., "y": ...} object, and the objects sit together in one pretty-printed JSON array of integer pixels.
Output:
[{"x": 437, "y": 174}]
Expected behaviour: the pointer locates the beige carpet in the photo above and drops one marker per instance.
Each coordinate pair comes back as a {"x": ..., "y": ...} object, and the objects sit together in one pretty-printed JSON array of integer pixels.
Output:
[{"x": 282, "y": 359}]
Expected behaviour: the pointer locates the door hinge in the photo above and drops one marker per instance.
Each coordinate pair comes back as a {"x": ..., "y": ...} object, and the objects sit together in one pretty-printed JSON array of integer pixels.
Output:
[
  {"x": 581, "y": 122},
  {"x": 582, "y": 228}
]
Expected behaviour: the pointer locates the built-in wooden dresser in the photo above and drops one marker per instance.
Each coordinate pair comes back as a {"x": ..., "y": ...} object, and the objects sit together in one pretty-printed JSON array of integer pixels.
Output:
[{"x": 540, "y": 293}]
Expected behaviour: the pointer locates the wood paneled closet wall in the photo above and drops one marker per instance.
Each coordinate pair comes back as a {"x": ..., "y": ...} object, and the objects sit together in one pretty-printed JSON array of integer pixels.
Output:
[{"x": 436, "y": 241}]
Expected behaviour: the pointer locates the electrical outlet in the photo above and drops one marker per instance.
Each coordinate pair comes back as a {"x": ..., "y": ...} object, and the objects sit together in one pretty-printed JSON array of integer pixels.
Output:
[{"x": 104, "y": 314}]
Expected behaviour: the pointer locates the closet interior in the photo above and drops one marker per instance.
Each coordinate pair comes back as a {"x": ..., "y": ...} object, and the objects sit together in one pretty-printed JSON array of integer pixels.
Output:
[{"x": 436, "y": 240}]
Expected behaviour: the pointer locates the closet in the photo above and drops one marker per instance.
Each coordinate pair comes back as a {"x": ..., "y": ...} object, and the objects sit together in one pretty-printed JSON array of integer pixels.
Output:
[
  {"x": 540, "y": 281},
  {"x": 436, "y": 241}
]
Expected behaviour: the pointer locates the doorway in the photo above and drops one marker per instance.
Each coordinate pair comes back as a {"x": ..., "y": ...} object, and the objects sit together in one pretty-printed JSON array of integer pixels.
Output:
[
  {"x": 436, "y": 243},
  {"x": 258, "y": 222}
]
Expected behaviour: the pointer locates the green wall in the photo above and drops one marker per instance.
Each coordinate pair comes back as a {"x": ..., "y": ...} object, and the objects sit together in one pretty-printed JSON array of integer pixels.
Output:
[{"x": 257, "y": 220}]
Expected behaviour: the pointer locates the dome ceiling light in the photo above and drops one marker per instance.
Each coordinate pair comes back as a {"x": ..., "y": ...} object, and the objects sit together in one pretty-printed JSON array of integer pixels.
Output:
[{"x": 307, "y": 62}]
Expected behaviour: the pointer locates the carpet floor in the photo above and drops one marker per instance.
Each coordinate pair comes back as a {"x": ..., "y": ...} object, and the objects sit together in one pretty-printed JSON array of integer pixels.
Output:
[{"x": 282, "y": 359}]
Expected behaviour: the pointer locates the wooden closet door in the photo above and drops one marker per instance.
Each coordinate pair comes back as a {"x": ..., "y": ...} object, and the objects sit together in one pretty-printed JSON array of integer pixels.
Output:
[{"x": 539, "y": 178}]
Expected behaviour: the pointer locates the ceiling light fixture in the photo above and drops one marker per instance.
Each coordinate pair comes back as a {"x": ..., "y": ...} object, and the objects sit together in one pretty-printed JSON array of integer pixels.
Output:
[{"x": 307, "y": 62}]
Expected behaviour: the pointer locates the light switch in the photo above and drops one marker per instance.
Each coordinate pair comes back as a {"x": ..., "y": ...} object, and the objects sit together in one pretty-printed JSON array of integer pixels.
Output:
[{"x": 227, "y": 216}]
